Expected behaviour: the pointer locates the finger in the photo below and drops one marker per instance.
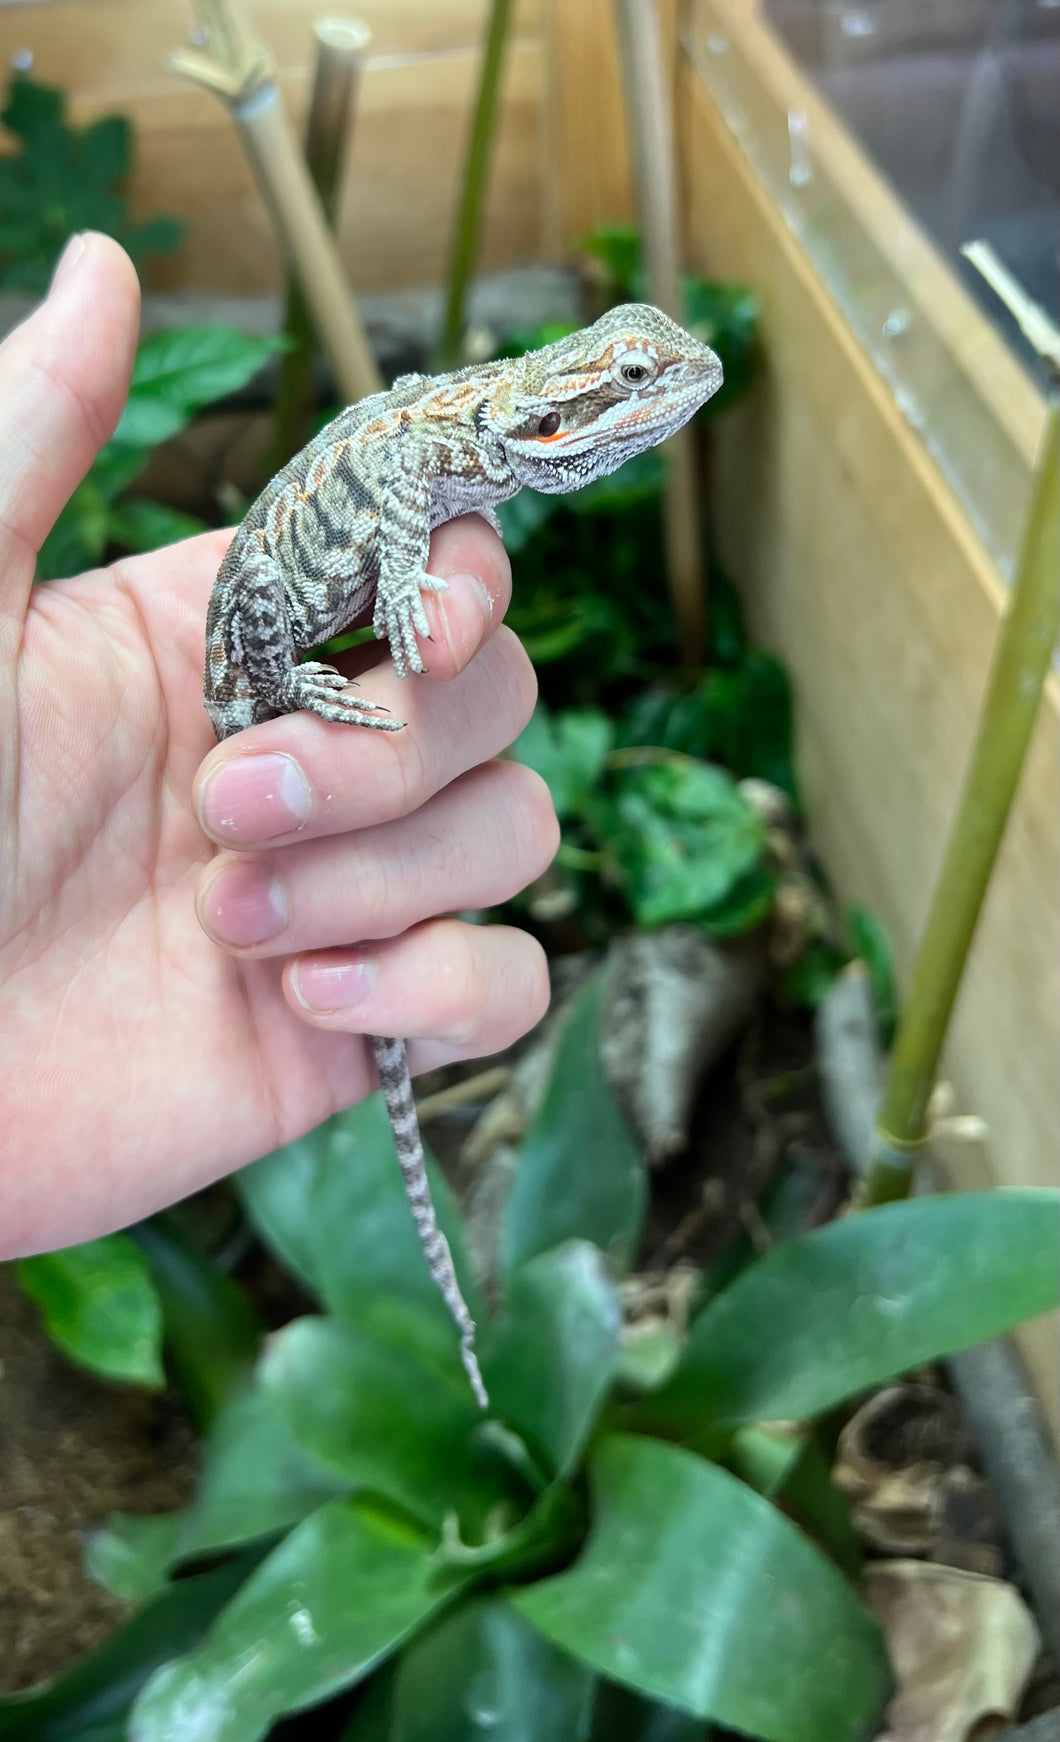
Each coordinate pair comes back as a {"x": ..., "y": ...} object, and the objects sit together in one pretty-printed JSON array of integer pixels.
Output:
[
  {"x": 468, "y": 554},
  {"x": 458, "y": 990},
  {"x": 299, "y": 777},
  {"x": 475, "y": 844},
  {"x": 64, "y": 374}
]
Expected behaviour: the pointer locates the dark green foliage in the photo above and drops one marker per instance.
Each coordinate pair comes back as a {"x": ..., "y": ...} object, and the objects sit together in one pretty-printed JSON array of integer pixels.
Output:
[
  {"x": 100, "y": 1306},
  {"x": 176, "y": 373},
  {"x": 537, "y": 1569},
  {"x": 62, "y": 180}
]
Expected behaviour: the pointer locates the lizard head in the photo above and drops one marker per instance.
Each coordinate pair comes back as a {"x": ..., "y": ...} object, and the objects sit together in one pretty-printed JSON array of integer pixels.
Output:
[{"x": 576, "y": 409}]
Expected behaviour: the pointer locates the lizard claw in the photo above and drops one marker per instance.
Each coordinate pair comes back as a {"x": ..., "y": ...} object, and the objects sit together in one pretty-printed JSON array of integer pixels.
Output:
[
  {"x": 400, "y": 617},
  {"x": 323, "y": 691}
]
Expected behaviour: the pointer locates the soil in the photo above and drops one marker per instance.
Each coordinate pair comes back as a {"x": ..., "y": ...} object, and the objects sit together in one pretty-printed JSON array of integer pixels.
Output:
[{"x": 72, "y": 1450}]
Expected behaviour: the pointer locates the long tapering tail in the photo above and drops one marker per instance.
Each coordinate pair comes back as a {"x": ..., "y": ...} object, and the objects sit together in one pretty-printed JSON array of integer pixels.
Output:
[{"x": 391, "y": 1062}]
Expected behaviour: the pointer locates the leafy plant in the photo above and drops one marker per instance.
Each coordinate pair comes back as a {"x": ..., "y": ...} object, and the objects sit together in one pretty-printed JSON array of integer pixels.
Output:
[
  {"x": 62, "y": 180},
  {"x": 176, "y": 373},
  {"x": 672, "y": 835},
  {"x": 589, "y": 1560},
  {"x": 100, "y": 1306}
]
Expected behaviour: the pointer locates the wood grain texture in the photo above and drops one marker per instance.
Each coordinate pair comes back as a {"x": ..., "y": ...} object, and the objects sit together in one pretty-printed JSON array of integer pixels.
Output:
[
  {"x": 860, "y": 570},
  {"x": 406, "y": 152}
]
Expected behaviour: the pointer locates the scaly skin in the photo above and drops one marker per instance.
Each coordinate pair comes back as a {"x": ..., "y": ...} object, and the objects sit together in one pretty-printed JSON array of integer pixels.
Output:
[{"x": 346, "y": 525}]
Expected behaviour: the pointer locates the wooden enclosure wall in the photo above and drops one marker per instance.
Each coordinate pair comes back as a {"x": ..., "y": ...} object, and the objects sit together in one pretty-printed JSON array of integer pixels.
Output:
[{"x": 408, "y": 147}]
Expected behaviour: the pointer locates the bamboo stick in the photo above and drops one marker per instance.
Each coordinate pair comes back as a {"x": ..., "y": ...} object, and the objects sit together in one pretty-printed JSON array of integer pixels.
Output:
[
  {"x": 240, "y": 70},
  {"x": 468, "y": 227},
  {"x": 648, "y": 103},
  {"x": 339, "y": 63},
  {"x": 1021, "y": 661}
]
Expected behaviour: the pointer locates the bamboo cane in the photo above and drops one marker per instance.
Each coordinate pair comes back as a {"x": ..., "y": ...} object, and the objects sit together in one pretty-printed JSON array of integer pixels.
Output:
[
  {"x": 1021, "y": 661},
  {"x": 468, "y": 225},
  {"x": 340, "y": 50},
  {"x": 654, "y": 158},
  {"x": 240, "y": 70}
]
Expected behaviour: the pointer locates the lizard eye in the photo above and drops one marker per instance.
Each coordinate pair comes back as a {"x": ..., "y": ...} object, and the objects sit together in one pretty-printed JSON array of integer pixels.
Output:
[
  {"x": 549, "y": 425},
  {"x": 636, "y": 368}
]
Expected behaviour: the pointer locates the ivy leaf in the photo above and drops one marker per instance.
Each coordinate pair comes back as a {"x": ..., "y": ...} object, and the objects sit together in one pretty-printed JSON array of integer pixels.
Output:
[
  {"x": 100, "y": 1306},
  {"x": 682, "y": 838},
  {"x": 568, "y": 750},
  {"x": 694, "y": 1590},
  {"x": 63, "y": 180}
]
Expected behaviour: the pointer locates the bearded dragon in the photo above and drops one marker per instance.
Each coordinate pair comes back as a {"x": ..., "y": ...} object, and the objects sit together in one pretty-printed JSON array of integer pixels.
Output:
[{"x": 346, "y": 526}]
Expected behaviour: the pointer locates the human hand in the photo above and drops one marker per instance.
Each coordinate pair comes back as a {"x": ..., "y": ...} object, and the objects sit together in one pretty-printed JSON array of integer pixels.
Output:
[{"x": 141, "y": 1058}]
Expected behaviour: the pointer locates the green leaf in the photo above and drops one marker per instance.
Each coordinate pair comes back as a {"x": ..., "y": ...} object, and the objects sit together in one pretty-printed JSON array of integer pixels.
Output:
[
  {"x": 341, "y": 1593},
  {"x": 91, "y": 1701},
  {"x": 682, "y": 837},
  {"x": 623, "y": 1716},
  {"x": 256, "y": 1479},
  {"x": 393, "y": 1413},
  {"x": 333, "y": 1208},
  {"x": 140, "y": 524},
  {"x": 580, "y": 1174},
  {"x": 189, "y": 367},
  {"x": 617, "y": 248},
  {"x": 725, "y": 317},
  {"x": 484, "y": 1675},
  {"x": 212, "y": 1330},
  {"x": 568, "y": 750},
  {"x": 636, "y": 481},
  {"x": 552, "y": 1360},
  {"x": 694, "y": 1590},
  {"x": 100, "y": 1306},
  {"x": 851, "y": 1305}
]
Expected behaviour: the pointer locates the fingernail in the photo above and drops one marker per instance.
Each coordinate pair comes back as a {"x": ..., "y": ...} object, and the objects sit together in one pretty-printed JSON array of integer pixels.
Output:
[
  {"x": 244, "y": 905},
  {"x": 480, "y": 589},
  {"x": 68, "y": 261},
  {"x": 325, "y": 987},
  {"x": 254, "y": 798}
]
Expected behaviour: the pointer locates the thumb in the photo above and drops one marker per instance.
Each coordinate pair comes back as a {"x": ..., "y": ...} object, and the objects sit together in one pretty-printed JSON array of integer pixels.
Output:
[{"x": 64, "y": 374}]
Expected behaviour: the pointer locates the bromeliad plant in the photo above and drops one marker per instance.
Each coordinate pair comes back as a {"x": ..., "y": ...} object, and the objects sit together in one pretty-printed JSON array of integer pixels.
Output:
[{"x": 593, "y": 1559}]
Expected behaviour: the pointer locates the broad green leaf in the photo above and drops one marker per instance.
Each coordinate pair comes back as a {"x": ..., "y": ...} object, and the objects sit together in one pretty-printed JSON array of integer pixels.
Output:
[
  {"x": 338, "y": 1595},
  {"x": 192, "y": 366},
  {"x": 91, "y": 1701},
  {"x": 100, "y": 1306},
  {"x": 682, "y": 838},
  {"x": 256, "y": 1479},
  {"x": 580, "y": 1174},
  {"x": 212, "y": 1330},
  {"x": 393, "y": 1413},
  {"x": 483, "y": 1674},
  {"x": 568, "y": 750},
  {"x": 333, "y": 1208},
  {"x": 851, "y": 1305},
  {"x": 694, "y": 1590},
  {"x": 555, "y": 1353}
]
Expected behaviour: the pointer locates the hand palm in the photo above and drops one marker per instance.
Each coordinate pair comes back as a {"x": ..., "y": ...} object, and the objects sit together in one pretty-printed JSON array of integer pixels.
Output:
[{"x": 98, "y": 931}]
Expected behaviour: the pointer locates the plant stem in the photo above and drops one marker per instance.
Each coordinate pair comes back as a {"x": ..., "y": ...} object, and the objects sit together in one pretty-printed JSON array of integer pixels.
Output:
[
  {"x": 1024, "y": 649},
  {"x": 340, "y": 46},
  {"x": 654, "y": 157},
  {"x": 476, "y": 173},
  {"x": 239, "y": 69}
]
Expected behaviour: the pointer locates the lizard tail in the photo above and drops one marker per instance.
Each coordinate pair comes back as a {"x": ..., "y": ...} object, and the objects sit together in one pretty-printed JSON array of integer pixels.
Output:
[{"x": 391, "y": 1062}]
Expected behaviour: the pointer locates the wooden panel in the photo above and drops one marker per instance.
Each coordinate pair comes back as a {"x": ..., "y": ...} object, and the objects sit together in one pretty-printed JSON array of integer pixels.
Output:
[
  {"x": 407, "y": 152},
  {"x": 859, "y": 569}
]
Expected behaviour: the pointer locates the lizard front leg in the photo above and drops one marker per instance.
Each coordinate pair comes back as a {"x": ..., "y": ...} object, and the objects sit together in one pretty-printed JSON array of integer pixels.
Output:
[
  {"x": 404, "y": 541},
  {"x": 252, "y": 665}
]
